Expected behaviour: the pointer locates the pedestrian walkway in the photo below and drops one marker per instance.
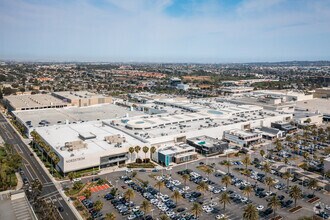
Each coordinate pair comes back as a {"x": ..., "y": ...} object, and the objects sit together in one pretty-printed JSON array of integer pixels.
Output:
[{"x": 99, "y": 188}]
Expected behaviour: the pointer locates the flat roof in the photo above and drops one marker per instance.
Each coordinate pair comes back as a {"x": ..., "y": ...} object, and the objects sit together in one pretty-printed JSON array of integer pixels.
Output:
[
  {"x": 78, "y": 95},
  {"x": 74, "y": 114},
  {"x": 69, "y": 133},
  {"x": 34, "y": 101},
  {"x": 313, "y": 105}
]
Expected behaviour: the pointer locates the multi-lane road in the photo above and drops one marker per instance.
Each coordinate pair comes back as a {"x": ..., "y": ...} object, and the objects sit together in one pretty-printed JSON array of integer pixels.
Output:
[{"x": 33, "y": 170}]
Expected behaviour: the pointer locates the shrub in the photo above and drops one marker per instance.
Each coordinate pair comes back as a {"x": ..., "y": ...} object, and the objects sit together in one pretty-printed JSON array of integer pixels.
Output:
[{"x": 138, "y": 160}]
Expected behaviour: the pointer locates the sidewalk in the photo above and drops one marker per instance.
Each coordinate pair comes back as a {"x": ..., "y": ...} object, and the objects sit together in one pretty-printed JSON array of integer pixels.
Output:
[{"x": 57, "y": 184}]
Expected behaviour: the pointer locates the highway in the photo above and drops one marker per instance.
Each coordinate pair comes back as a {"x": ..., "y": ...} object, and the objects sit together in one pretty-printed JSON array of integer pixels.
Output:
[{"x": 32, "y": 169}]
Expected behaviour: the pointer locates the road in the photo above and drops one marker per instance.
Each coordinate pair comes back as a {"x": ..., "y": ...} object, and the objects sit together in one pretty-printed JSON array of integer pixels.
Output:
[{"x": 32, "y": 169}]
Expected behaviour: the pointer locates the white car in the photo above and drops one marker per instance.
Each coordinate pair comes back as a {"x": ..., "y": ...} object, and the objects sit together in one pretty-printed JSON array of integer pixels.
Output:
[
  {"x": 268, "y": 193},
  {"x": 131, "y": 217},
  {"x": 327, "y": 207},
  {"x": 205, "y": 207},
  {"x": 136, "y": 208},
  {"x": 244, "y": 199},
  {"x": 223, "y": 189},
  {"x": 186, "y": 188},
  {"x": 260, "y": 207},
  {"x": 209, "y": 209},
  {"x": 211, "y": 188},
  {"x": 220, "y": 216},
  {"x": 76, "y": 180},
  {"x": 129, "y": 170}
]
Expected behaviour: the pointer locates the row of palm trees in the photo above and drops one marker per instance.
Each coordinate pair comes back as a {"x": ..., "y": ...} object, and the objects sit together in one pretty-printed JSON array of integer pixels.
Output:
[
  {"x": 145, "y": 150},
  {"x": 51, "y": 155}
]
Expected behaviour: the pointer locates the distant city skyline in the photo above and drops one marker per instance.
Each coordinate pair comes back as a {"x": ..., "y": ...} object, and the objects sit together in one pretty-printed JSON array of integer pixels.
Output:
[{"x": 202, "y": 31}]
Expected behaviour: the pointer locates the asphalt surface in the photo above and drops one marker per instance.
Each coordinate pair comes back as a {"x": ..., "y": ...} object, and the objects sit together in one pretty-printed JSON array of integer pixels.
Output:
[{"x": 33, "y": 170}]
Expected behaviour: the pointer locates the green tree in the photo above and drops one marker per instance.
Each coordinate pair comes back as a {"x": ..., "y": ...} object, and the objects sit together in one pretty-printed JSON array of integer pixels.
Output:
[
  {"x": 87, "y": 193},
  {"x": 137, "y": 150},
  {"x": 274, "y": 203},
  {"x": 196, "y": 209},
  {"x": 313, "y": 184},
  {"x": 269, "y": 181},
  {"x": 159, "y": 185},
  {"x": 185, "y": 178},
  {"x": 145, "y": 150},
  {"x": 224, "y": 200},
  {"x": 131, "y": 150},
  {"x": 262, "y": 153},
  {"x": 176, "y": 196},
  {"x": 226, "y": 180},
  {"x": 247, "y": 191},
  {"x": 129, "y": 194},
  {"x": 250, "y": 212},
  {"x": 152, "y": 151},
  {"x": 246, "y": 161},
  {"x": 110, "y": 216},
  {"x": 202, "y": 187},
  {"x": 287, "y": 175},
  {"x": 295, "y": 193},
  {"x": 227, "y": 164},
  {"x": 146, "y": 206},
  {"x": 266, "y": 168},
  {"x": 98, "y": 205},
  {"x": 208, "y": 171}
]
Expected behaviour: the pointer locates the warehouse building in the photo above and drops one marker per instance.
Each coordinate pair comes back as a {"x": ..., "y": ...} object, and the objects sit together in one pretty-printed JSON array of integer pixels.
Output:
[
  {"x": 82, "y": 98},
  {"x": 31, "y": 102}
]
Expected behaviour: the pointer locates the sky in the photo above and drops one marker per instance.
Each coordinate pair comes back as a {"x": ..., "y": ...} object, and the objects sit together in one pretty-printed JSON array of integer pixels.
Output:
[{"x": 205, "y": 31}]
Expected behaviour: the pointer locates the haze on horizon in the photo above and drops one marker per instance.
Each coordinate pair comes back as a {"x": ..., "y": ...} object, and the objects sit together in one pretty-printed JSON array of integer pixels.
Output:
[{"x": 164, "y": 30}]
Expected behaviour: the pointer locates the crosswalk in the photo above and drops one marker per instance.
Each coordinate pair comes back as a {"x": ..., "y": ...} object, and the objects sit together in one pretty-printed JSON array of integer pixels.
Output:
[{"x": 21, "y": 209}]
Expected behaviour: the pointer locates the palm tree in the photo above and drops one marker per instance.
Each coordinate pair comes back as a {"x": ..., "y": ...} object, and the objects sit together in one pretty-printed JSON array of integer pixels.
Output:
[
  {"x": 278, "y": 147},
  {"x": 146, "y": 206},
  {"x": 196, "y": 209},
  {"x": 152, "y": 151},
  {"x": 313, "y": 184},
  {"x": 159, "y": 185},
  {"x": 202, "y": 187},
  {"x": 110, "y": 216},
  {"x": 295, "y": 193},
  {"x": 98, "y": 205},
  {"x": 266, "y": 168},
  {"x": 269, "y": 181},
  {"x": 287, "y": 175},
  {"x": 176, "y": 195},
  {"x": 131, "y": 151},
  {"x": 247, "y": 173},
  {"x": 227, "y": 164},
  {"x": 286, "y": 160},
  {"x": 164, "y": 217},
  {"x": 129, "y": 194},
  {"x": 185, "y": 178},
  {"x": 246, "y": 161},
  {"x": 71, "y": 176},
  {"x": 208, "y": 171},
  {"x": 87, "y": 193},
  {"x": 247, "y": 191},
  {"x": 226, "y": 180},
  {"x": 306, "y": 155},
  {"x": 262, "y": 153},
  {"x": 145, "y": 150},
  {"x": 137, "y": 150},
  {"x": 274, "y": 203},
  {"x": 224, "y": 199},
  {"x": 250, "y": 212}
]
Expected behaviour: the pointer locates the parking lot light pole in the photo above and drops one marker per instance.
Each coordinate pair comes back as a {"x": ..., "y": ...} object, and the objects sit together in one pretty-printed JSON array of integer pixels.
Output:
[{"x": 152, "y": 213}]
